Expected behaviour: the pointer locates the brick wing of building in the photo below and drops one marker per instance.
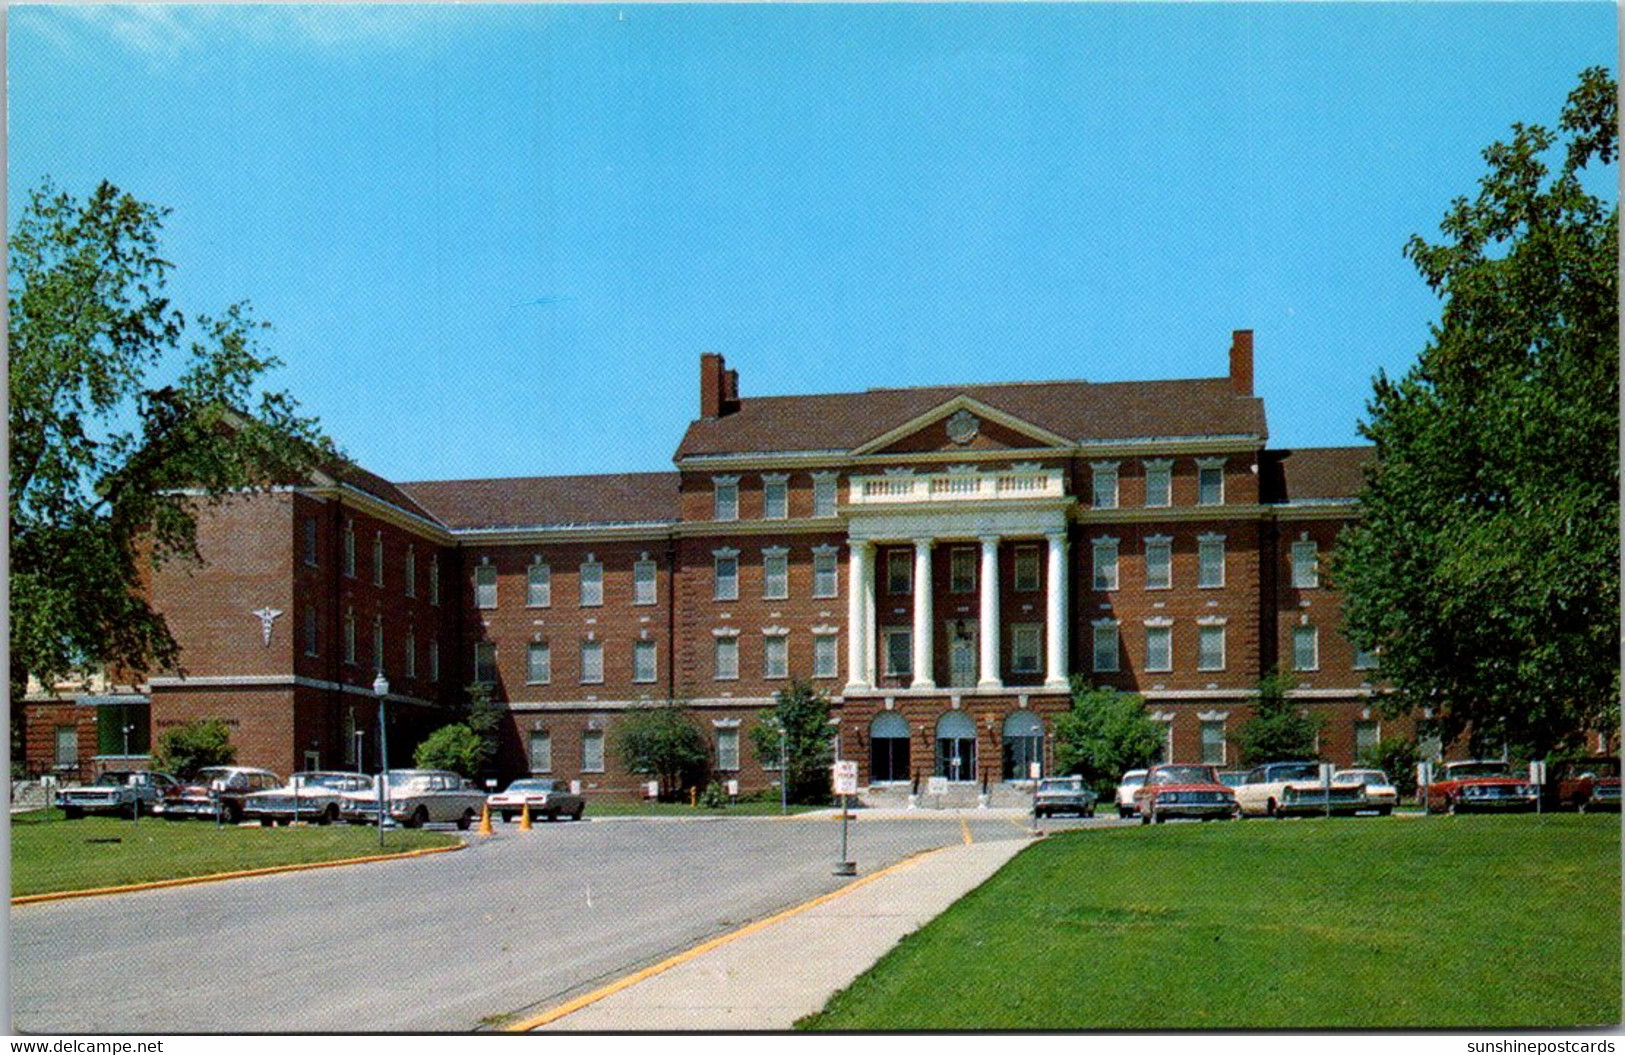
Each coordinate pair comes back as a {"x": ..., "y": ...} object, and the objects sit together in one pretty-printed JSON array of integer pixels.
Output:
[{"x": 941, "y": 561}]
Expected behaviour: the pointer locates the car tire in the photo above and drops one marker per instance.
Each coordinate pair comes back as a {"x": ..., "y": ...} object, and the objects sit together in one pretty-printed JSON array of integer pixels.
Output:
[
  {"x": 1124, "y": 813},
  {"x": 1145, "y": 818},
  {"x": 1157, "y": 818},
  {"x": 266, "y": 822},
  {"x": 1090, "y": 812},
  {"x": 69, "y": 813},
  {"x": 1386, "y": 811},
  {"x": 328, "y": 816},
  {"x": 1270, "y": 810},
  {"x": 466, "y": 821},
  {"x": 551, "y": 816},
  {"x": 419, "y": 818},
  {"x": 507, "y": 816}
]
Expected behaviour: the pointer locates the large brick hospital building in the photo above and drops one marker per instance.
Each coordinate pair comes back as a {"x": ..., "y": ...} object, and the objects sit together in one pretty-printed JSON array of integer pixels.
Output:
[{"x": 940, "y": 561}]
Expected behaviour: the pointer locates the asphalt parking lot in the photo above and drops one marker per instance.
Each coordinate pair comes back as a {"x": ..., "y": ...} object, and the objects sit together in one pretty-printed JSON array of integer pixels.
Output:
[{"x": 515, "y": 923}]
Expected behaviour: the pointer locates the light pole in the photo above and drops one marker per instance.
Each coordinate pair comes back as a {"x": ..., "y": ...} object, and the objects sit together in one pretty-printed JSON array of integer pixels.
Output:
[
  {"x": 380, "y": 688},
  {"x": 360, "y": 734}
]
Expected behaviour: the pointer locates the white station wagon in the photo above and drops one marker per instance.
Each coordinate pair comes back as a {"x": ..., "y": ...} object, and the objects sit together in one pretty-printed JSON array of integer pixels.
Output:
[{"x": 417, "y": 797}]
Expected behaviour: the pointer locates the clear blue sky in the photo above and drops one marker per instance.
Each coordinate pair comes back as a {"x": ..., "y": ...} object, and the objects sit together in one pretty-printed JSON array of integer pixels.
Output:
[{"x": 494, "y": 240}]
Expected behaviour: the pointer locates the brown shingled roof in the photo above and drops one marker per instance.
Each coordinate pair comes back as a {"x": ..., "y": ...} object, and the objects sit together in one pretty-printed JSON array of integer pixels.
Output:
[
  {"x": 1308, "y": 473},
  {"x": 1078, "y": 410},
  {"x": 549, "y": 501},
  {"x": 378, "y": 487}
]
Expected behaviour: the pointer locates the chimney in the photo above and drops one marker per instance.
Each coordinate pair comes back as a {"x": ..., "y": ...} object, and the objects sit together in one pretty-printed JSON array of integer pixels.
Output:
[
  {"x": 1241, "y": 361},
  {"x": 711, "y": 385},
  {"x": 730, "y": 391}
]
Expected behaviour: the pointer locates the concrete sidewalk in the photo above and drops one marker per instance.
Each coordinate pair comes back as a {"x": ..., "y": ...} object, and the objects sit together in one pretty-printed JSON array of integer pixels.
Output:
[{"x": 769, "y": 974}]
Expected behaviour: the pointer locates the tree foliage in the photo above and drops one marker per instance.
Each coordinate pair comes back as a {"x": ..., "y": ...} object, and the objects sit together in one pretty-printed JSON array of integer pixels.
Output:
[
  {"x": 484, "y": 720},
  {"x": 1105, "y": 734},
  {"x": 455, "y": 747},
  {"x": 117, "y": 404},
  {"x": 1484, "y": 571},
  {"x": 802, "y": 712},
  {"x": 1398, "y": 759},
  {"x": 664, "y": 741},
  {"x": 185, "y": 749},
  {"x": 1277, "y": 731}
]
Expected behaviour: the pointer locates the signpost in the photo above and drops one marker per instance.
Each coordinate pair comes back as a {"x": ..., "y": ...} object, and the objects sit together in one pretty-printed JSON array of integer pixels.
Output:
[
  {"x": 1424, "y": 778},
  {"x": 1326, "y": 787},
  {"x": 1034, "y": 771},
  {"x": 846, "y": 783},
  {"x": 1537, "y": 777}
]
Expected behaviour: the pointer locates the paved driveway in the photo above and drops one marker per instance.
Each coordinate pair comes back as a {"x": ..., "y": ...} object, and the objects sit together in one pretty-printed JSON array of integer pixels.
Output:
[{"x": 515, "y": 923}]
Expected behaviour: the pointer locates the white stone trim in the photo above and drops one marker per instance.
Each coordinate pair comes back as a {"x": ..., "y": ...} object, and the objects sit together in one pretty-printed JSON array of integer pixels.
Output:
[
  {"x": 1213, "y": 716},
  {"x": 1157, "y": 621},
  {"x": 1212, "y": 620},
  {"x": 725, "y": 631}
]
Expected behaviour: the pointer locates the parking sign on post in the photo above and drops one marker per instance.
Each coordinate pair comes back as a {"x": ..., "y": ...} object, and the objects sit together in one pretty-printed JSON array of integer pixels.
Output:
[
  {"x": 846, "y": 778},
  {"x": 846, "y": 783}
]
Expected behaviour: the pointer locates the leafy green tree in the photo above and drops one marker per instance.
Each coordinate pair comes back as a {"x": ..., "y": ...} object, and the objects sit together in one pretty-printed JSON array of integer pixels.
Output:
[
  {"x": 1484, "y": 571},
  {"x": 185, "y": 749},
  {"x": 1277, "y": 731},
  {"x": 801, "y": 711},
  {"x": 484, "y": 719},
  {"x": 118, "y": 432},
  {"x": 666, "y": 742},
  {"x": 1398, "y": 759},
  {"x": 455, "y": 747},
  {"x": 1104, "y": 734}
]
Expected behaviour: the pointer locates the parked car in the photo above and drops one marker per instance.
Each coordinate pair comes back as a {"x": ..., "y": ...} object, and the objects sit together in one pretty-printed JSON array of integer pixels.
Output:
[
  {"x": 1063, "y": 795},
  {"x": 550, "y": 799},
  {"x": 416, "y": 797},
  {"x": 1380, "y": 793},
  {"x": 1584, "y": 784},
  {"x": 1485, "y": 785},
  {"x": 1232, "y": 778},
  {"x": 119, "y": 793},
  {"x": 1125, "y": 791},
  {"x": 1183, "y": 791},
  {"x": 1282, "y": 789},
  {"x": 313, "y": 796},
  {"x": 215, "y": 791}
]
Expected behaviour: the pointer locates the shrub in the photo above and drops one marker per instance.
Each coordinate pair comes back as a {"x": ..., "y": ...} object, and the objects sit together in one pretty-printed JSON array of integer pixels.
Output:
[
  {"x": 802, "y": 711},
  {"x": 196, "y": 745},
  {"x": 1104, "y": 734},
  {"x": 1398, "y": 759},
  {"x": 454, "y": 747},
  {"x": 666, "y": 742},
  {"x": 1277, "y": 732}
]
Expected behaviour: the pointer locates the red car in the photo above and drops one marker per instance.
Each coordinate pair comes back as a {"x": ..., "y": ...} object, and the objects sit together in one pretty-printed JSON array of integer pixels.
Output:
[
  {"x": 1183, "y": 791},
  {"x": 1585, "y": 784},
  {"x": 1483, "y": 786}
]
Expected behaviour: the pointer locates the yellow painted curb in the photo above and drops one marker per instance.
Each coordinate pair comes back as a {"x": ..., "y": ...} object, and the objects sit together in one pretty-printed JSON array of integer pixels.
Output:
[
  {"x": 570, "y": 1008},
  {"x": 964, "y": 827},
  {"x": 159, "y": 884}
]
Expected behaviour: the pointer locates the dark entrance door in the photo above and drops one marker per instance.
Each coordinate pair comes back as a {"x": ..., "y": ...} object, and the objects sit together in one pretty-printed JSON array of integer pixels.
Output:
[{"x": 888, "y": 749}]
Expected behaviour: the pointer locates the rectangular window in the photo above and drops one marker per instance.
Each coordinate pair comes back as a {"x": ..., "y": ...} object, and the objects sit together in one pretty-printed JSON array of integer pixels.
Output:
[
  {"x": 1210, "y": 561},
  {"x": 1159, "y": 651},
  {"x": 434, "y": 660},
  {"x": 1026, "y": 568},
  {"x": 411, "y": 654},
  {"x": 825, "y": 653},
  {"x": 776, "y": 656},
  {"x": 1210, "y": 485},
  {"x": 1365, "y": 739},
  {"x": 1105, "y": 563},
  {"x": 1210, "y": 648},
  {"x": 1105, "y": 485},
  {"x": 310, "y": 632},
  {"x": 1159, "y": 481},
  {"x": 1024, "y": 647},
  {"x": 728, "y": 749},
  {"x": 67, "y": 745},
  {"x": 310, "y": 541},
  {"x": 485, "y": 662},
  {"x": 349, "y": 636},
  {"x": 538, "y": 663},
  {"x": 1213, "y": 743},
  {"x": 434, "y": 579},
  {"x": 775, "y": 497},
  {"x": 726, "y": 570},
  {"x": 1305, "y": 648},
  {"x": 962, "y": 570},
  {"x": 592, "y": 662},
  {"x": 541, "y": 751},
  {"x": 539, "y": 585},
  {"x": 899, "y": 572},
  {"x": 1105, "y": 658},
  {"x": 726, "y": 658},
  {"x": 1159, "y": 563},
  {"x": 725, "y": 498},
  {"x": 899, "y": 651},
  {"x": 775, "y": 574},
  {"x": 592, "y": 751},
  {"x": 485, "y": 586},
  {"x": 1364, "y": 660},
  {"x": 1305, "y": 565},
  {"x": 349, "y": 548},
  {"x": 378, "y": 558},
  {"x": 411, "y": 571},
  {"x": 122, "y": 729},
  {"x": 643, "y": 582},
  {"x": 378, "y": 642},
  {"x": 825, "y": 581},
  {"x": 592, "y": 583},
  {"x": 824, "y": 495},
  {"x": 643, "y": 661}
]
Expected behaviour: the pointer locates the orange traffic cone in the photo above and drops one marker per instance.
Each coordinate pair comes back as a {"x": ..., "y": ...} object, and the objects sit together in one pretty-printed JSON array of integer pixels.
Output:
[
  {"x": 524, "y": 818},
  {"x": 485, "y": 820}
]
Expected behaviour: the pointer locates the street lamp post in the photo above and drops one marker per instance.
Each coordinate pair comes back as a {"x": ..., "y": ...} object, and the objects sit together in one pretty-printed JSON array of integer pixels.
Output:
[{"x": 380, "y": 688}]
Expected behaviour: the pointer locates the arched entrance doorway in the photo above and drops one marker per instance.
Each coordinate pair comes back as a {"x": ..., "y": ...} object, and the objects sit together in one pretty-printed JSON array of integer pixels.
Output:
[
  {"x": 888, "y": 749},
  {"x": 1023, "y": 744},
  {"x": 956, "y": 747}
]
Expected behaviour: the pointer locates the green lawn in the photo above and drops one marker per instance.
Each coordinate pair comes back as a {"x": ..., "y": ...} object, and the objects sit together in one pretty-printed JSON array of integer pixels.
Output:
[
  {"x": 50, "y": 854},
  {"x": 629, "y": 808},
  {"x": 1489, "y": 922}
]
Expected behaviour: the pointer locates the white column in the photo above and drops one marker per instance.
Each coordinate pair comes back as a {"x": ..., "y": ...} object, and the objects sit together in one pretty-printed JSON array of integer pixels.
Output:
[
  {"x": 857, "y": 668},
  {"x": 871, "y": 626},
  {"x": 990, "y": 614},
  {"x": 1055, "y": 614},
  {"x": 922, "y": 615}
]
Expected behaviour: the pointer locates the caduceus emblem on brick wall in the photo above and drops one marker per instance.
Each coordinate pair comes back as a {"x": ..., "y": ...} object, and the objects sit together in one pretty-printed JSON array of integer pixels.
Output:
[{"x": 267, "y": 617}]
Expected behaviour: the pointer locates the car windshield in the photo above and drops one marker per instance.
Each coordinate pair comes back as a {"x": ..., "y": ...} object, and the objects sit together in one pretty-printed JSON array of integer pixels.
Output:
[
  {"x": 331, "y": 781},
  {"x": 1232, "y": 780},
  {"x": 1061, "y": 784},
  {"x": 1459, "y": 770},
  {"x": 1183, "y": 775},
  {"x": 1133, "y": 780},
  {"x": 1360, "y": 776},
  {"x": 1300, "y": 771},
  {"x": 531, "y": 785},
  {"x": 1598, "y": 767},
  {"x": 225, "y": 776},
  {"x": 110, "y": 780}
]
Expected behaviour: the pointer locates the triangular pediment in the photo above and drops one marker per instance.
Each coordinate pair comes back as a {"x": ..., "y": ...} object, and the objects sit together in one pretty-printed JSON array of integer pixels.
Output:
[{"x": 962, "y": 424}]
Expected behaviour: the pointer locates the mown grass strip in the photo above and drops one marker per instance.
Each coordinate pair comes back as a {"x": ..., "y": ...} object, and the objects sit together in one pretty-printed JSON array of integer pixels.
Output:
[
  {"x": 1465, "y": 922},
  {"x": 50, "y": 855}
]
